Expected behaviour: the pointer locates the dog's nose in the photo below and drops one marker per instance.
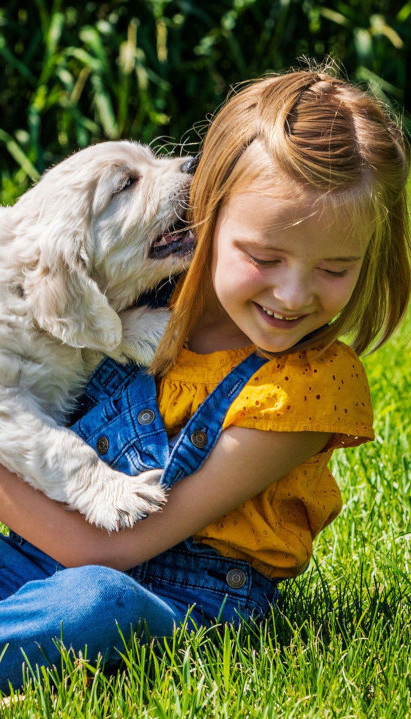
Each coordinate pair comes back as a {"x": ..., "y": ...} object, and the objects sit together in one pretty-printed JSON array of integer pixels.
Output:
[{"x": 190, "y": 164}]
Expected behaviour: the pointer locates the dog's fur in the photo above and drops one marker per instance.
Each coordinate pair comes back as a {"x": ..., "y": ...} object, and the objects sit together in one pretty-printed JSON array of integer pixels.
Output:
[{"x": 74, "y": 253}]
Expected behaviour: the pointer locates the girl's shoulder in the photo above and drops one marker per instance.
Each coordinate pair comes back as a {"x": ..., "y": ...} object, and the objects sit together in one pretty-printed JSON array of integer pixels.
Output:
[
  {"x": 336, "y": 365},
  {"x": 319, "y": 390}
]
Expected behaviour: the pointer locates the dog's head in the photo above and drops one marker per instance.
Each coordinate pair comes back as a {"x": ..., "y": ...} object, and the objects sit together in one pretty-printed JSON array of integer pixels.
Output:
[{"x": 98, "y": 230}]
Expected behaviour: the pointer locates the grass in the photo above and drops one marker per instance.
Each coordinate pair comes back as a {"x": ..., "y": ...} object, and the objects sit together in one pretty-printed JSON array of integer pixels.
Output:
[{"x": 337, "y": 645}]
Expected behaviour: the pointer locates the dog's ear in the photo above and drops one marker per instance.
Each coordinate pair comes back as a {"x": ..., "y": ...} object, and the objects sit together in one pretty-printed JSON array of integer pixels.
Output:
[
  {"x": 68, "y": 304},
  {"x": 52, "y": 223}
]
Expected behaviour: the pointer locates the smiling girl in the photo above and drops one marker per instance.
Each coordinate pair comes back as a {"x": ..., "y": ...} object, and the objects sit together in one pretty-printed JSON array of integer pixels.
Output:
[
  {"x": 300, "y": 212},
  {"x": 281, "y": 269}
]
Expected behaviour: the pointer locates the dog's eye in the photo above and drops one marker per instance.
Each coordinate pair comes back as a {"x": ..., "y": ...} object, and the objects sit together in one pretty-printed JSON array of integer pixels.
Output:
[
  {"x": 126, "y": 184},
  {"x": 129, "y": 182}
]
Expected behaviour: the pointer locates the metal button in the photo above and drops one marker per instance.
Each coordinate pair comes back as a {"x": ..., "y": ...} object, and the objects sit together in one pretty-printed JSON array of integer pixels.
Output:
[
  {"x": 236, "y": 578},
  {"x": 102, "y": 445},
  {"x": 199, "y": 439},
  {"x": 146, "y": 416}
]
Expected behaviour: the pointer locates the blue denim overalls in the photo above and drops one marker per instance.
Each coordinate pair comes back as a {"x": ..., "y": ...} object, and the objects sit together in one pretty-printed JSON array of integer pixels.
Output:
[{"x": 87, "y": 605}]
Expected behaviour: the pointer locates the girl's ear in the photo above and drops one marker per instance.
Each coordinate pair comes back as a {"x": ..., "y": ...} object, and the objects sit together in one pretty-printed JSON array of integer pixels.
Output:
[{"x": 67, "y": 303}]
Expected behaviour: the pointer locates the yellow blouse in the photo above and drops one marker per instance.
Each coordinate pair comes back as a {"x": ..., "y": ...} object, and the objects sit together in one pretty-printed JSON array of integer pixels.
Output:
[{"x": 312, "y": 390}]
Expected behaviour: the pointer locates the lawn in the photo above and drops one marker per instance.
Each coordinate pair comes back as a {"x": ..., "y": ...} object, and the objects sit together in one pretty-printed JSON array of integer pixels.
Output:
[{"x": 338, "y": 644}]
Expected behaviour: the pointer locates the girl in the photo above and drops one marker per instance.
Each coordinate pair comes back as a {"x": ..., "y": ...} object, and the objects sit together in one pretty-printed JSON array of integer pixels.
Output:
[{"x": 300, "y": 211}]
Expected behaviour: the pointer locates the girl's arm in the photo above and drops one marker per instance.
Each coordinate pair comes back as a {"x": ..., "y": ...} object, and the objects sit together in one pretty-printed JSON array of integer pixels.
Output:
[{"x": 242, "y": 464}]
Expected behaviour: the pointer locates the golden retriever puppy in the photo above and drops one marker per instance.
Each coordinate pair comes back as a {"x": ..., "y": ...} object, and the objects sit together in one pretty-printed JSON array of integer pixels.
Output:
[{"x": 76, "y": 251}]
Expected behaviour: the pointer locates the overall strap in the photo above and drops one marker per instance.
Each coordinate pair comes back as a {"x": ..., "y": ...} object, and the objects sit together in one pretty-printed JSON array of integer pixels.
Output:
[
  {"x": 110, "y": 378},
  {"x": 200, "y": 435},
  {"x": 126, "y": 429}
]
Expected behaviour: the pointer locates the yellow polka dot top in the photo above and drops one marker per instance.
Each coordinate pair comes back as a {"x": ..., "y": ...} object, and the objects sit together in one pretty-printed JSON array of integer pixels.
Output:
[{"x": 304, "y": 391}]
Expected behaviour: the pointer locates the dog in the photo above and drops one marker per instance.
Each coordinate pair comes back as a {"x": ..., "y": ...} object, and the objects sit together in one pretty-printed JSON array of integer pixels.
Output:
[{"x": 76, "y": 251}]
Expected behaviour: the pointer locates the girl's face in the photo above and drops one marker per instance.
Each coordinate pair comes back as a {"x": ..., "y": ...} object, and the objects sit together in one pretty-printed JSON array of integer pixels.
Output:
[{"x": 282, "y": 268}]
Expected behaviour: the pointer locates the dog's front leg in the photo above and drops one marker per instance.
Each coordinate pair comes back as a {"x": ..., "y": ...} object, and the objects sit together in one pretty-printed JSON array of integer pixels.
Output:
[
  {"x": 143, "y": 329},
  {"x": 56, "y": 461}
]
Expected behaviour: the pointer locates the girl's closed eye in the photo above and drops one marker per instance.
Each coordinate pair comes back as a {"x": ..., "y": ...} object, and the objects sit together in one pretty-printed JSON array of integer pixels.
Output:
[
  {"x": 263, "y": 262},
  {"x": 335, "y": 273},
  {"x": 260, "y": 262}
]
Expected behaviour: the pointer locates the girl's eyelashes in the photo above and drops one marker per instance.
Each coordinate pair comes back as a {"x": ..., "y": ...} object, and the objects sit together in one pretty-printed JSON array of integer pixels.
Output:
[
  {"x": 275, "y": 261},
  {"x": 262, "y": 263},
  {"x": 270, "y": 263},
  {"x": 334, "y": 273}
]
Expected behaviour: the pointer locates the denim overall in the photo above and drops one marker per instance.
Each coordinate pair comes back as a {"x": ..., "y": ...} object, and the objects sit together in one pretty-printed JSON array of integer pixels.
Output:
[{"x": 42, "y": 600}]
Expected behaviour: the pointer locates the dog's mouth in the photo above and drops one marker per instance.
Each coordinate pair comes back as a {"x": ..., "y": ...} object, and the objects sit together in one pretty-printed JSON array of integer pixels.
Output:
[{"x": 176, "y": 240}]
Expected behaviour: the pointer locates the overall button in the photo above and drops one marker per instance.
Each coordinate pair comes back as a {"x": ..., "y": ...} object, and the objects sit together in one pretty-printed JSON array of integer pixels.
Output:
[
  {"x": 199, "y": 439},
  {"x": 236, "y": 578},
  {"x": 102, "y": 445},
  {"x": 146, "y": 416}
]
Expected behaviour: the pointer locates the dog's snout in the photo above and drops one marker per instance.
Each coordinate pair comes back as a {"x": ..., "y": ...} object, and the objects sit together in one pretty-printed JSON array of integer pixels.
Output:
[{"x": 190, "y": 164}]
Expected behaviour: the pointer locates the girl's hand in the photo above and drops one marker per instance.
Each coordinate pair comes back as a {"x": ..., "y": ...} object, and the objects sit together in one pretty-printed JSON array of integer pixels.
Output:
[{"x": 243, "y": 463}]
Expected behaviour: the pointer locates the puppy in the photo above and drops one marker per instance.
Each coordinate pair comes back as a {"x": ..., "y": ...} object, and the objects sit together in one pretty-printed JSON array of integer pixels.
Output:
[{"x": 76, "y": 251}]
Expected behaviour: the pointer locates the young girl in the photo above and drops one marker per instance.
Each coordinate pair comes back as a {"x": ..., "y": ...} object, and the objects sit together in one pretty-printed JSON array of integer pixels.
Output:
[{"x": 300, "y": 211}]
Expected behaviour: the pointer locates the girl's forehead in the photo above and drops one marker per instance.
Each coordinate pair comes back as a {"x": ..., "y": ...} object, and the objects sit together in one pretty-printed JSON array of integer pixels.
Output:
[
  {"x": 273, "y": 217},
  {"x": 286, "y": 204},
  {"x": 258, "y": 173}
]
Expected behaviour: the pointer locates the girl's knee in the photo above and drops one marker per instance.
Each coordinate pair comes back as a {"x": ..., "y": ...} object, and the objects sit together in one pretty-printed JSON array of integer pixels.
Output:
[
  {"x": 98, "y": 610},
  {"x": 98, "y": 591},
  {"x": 102, "y": 603}
]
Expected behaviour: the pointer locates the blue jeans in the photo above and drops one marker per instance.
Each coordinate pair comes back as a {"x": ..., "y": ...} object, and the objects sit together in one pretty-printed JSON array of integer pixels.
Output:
[
  {"x": 41, "y": 601},
  {"x": 87, "y": 607}
]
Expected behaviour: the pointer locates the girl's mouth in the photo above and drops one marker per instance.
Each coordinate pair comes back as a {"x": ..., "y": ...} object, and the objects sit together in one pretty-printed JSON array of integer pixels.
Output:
[{"x": 276, "y": 319}]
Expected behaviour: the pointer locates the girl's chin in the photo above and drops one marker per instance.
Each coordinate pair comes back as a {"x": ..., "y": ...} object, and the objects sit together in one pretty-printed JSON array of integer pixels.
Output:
[
  {"x": 279, "y": 347},
  {"x": 280, "y": 343}
]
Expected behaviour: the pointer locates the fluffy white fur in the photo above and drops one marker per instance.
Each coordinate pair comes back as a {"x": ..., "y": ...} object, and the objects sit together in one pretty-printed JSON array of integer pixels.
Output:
[{"x": 74, "y": 253}]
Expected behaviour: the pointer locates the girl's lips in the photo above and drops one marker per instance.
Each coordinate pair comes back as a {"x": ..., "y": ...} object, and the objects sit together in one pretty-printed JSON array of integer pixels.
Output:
[{"x": 279, "y": 323}]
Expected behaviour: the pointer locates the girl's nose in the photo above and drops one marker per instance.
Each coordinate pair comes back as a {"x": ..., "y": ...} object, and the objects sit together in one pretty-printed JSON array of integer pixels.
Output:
[{"x": 293, "y": 293}]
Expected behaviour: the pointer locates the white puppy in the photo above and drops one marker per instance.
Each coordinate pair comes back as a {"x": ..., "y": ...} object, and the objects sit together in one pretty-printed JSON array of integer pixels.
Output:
[{"x": 77, "y": 249}]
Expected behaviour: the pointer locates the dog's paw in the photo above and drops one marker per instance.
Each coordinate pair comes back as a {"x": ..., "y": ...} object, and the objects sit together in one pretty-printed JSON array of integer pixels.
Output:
[
  {"x": 122, "y": 500},
  {"x": 143, "y": 329}
]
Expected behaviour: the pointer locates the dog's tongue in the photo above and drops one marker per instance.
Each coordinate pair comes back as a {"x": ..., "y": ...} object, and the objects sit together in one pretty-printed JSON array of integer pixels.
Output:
[
  {"x": 175, "y": 242},
  {"x": 166, "y": 239}
]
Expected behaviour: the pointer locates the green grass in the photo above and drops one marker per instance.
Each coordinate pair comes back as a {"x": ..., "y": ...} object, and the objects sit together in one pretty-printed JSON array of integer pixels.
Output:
[{"x": 338, "y": 643}]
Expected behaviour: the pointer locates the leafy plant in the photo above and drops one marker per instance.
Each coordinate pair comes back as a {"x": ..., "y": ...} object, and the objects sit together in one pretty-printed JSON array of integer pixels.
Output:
[{"x": 82, "y": 72}]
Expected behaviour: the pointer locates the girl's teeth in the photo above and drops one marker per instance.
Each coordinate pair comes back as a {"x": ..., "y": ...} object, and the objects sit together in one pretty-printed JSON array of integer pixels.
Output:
[{"x": 279, "y": 317}]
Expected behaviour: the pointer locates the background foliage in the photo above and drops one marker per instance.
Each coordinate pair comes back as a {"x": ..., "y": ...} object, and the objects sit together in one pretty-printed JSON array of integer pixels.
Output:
[{"x": 79, "y": 72}]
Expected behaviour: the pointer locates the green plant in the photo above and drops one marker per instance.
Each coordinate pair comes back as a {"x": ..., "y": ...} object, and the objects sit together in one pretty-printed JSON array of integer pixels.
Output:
[{"x": 79, "y": 73}]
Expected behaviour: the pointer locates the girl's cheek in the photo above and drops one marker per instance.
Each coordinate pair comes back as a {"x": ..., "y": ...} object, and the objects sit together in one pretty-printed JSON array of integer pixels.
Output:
[
  {"x": 351, "y": 284},
  {"x": 248, "y": 272},
  {"x": 340, "y": 297}
]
